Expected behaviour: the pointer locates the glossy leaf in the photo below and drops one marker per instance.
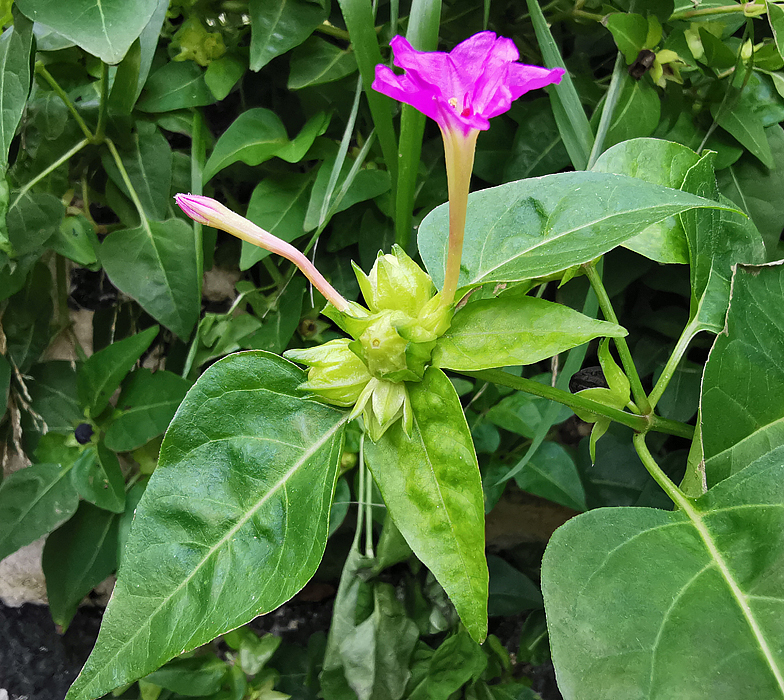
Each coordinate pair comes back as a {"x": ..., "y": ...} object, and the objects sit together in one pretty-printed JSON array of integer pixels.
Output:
[
  {"x": 222, "y": 75},
  {"x": 742, "y": 408},
  {"x": 514, "y": 331},
  {"x": 156, "y": 264},
  {"x": 15, "y": 46},
  {"x": 98, "y": 478},
  {"x": 197, "y": 676},
  {"x": 551, "y": 473},
  {"x": 102, "y": 373},
  {"x": 629, "y": 31},
  {"x": 104, "y": 29},
  {"x": 233, "y": 521},
  {"x": 431, "y": 485},
  {"x": 33, "y": 502},
  {"x": 636, "y": 113},
  {"x": 77, "y": 557},
  {"x": 776, "y": 19},
  {"x": 536, "y": 227},
  {"x": 660, "y": 163},
  {"x": 458, "y": 660},
  {"x": 147, "y": 404},
  {"x": 746, "y": 126},
  {"x": 317, "y": 62},
  {"x": 176, "y": 85},
  {"x": 280, "y": 25},
  {"x": 628, "y": 591}
]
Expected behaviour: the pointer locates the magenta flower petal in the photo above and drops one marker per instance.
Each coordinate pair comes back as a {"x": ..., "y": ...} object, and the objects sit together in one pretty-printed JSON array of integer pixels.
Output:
[{"x": 461, "y": 90}]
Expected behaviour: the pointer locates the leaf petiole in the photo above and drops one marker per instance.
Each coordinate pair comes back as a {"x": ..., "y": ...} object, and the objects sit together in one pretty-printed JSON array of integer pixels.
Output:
[{"x": 40, "y": 69}]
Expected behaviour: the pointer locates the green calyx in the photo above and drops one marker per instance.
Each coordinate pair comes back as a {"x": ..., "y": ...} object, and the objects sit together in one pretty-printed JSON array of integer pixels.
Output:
[{"x": 393, "y": 339}]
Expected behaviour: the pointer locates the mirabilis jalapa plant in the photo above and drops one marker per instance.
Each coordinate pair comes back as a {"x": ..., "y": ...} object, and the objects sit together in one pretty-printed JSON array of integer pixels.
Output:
[{"x": 234, "y": 520}]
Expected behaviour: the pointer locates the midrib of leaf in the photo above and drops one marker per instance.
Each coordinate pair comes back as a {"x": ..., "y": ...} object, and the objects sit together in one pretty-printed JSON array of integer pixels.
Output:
[
  {"x": 169, "y": 291},
  {"x": 761, "y": 430},
  {"x": 103, "y": 24},
  {"x": 284, "y": 213},
  {"x": 281, "y": 483},
  {"x": 740, "y": 598},
  {"x": 96, "y": 550},
  {"x": 545, "y": 152},
  {"x": 327, "y": 68},
  {"x": 143, "y": 171},
  {"x": 737, "y": 187}
]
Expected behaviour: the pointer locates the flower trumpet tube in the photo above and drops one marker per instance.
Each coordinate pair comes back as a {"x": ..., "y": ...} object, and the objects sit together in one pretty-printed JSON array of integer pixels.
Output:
[
  {"x": 208, "y": 211},
  {"x": 461, "y": 90}
]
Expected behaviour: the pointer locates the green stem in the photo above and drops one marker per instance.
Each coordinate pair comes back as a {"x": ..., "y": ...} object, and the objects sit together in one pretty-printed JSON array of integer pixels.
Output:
[
  {"x": 197, "y": 186},
  {"x": 671, "y": 427},
  {"x": 672, "y": 364},
  {"x": 51, "y": 168},
  {"x": 724, "y": 10},
  {"x": 329, "y": 30},
  {"x": 676, "y": 495},
  {"x": 640, "y": 397},
  {"x": 608, "y": 110},
  {"x": 104, "y": 105},
  {"x": 49, "y": 78}
]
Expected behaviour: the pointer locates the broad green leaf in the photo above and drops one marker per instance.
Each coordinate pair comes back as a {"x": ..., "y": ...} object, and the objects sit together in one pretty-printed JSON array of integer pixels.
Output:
[
  {"x": 718, "y": 55},
  {"x": 147, "y": 404},
  {"x": 637, "y": 112},
  {"x": 253, "y": 137},
  {"x": 76, "y": 240},
  {"x": 538, "y": 148},
  {"x": 102, "y": 373},
  {"x": 552, "y": 474},
  {"x": 629, "y": 31},
  {"x": 645, "y": 603},
  {"x": 742, "y": 408},
  {"x": 148, "y": 162},
  {"x": 776, "y": 19},
  {"x": 156, "y": 264},
  {"x": 280, "y": 25},
  {"x": 511, "y": 591},
  {"x": 123, "y": 95},
  {"x": 296, "y": 149},
  {"x": 317, "y": 61},
  {"x": 458, "y": 660},
  {"x": 148, "y": 41},
  {"x": 278, "y": 204},
  {"x": 222, "y": 75},
  {"x": 682, "y": 396},
  {"x": 233, "y": 521},
  {"x": 15, "y": 46},
  {"x": 98, "y": 478},
  {"x": 176, "y": 85},
  {"x": 32, "y": 220},
  {"x": 532, "y": 228},
  {"x": 515, "y": 331},
  {"x": 104, "y": 28},
  {"x": 198, "y": 676},
  {"x": 33, "y": 502},
  {"x": 757, "y": 190},
  {"x": 281, "y": 322},
  {"x": 77, "y": 557},
  {"x": 222, "y": 334},
  {"x": 746, "y": 126},
  {"x": 26, "y": 319},
  {"x": 660, "y": 163},
  {"x": 431, "y": 485}
]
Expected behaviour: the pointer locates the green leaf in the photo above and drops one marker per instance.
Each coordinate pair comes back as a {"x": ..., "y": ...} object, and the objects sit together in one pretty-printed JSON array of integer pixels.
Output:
[
  {"x": 148, "y": 162},
  {"x": 536, "y": 227},
  {"x": 296, "y": 149},
  {"x": 147, "y": 404},
  {"x": 629, "y": 591},
  {"x": 253, "y": 137},
  {"x": 102, "y": 373},
  {"x": 77, "y": 557},
  {"x": 233, "y": 521},
  {"x": 76, "y": 240},
  {"x": 222, "y": 75},
  {"x": 742, "y": 408},
  {"x": 26, "y": 319},
  {"x": 538, "y": 148},
  {"x": 197, "y": 676},
  {"x": 52, "y": 388},
  {"x": 776, "y": 19},
  {"x": 176, "y": 85},
  {"x": 104, "y": 29},
  {"x": 746, "y": 126},
  {"x": 552, "y": 474},
  {"x": 33, "y": 502},
  {"x": 15, "y": 44},
  {"x": 458, "y": 660},
  {"x": 123, "y": 94},
  {"x": 637, "y": 112},
  {"x": 156, "y": 264},
  {"x": 32, "y": 220},
  {"x": 431, "y": 485},
  {"x": 511, "y": 591},
  {"x": 280, "y": 323},
  {"x": 280, "y": 25},
  {"x": 514, "y": 331},
  {"x": 317, "y": 62},
  {"x": 98, "y": 478},
  {"x": 629, "y": 31},
  {"x": 660, "y": 163},
  {"x": 278, "y": 204}
]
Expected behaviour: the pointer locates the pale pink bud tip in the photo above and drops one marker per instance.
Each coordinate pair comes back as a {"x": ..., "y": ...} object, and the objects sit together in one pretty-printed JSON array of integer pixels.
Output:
[{"x": 196, "y": 206}]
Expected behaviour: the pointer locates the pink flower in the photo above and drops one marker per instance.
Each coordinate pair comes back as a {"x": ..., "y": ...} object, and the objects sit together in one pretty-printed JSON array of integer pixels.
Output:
[{"x": 461, "y": 90}]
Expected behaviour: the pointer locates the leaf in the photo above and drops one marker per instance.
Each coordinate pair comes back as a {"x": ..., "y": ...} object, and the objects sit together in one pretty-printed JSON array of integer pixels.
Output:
[
  {"x": 26, "y": 319},
  {"x": 253, "y": 137},
  {"x": 637, "y": 112},
  {"x": 222, "y": 75},
  {"x": 104, "y": 29},
  {"x": 431, "y": 485},
  {"x": 776, "y": 19},
  {"x": 296, "y": 149},
  {"x": 103, "y": 371},
  {"x": 277, "y": 204},
  {"x": 628, "y": 592},
  {"x": 52, "y": 388},
  {"x": 33, "y": 502},
  {"x": 32, "y": 220},
  {"x": 746, "y": 126},
  {"x": 629, "y": 31},
  {"x": 756, "y": 190},
  {"x": 76, "y": 240},
  {"x": 536, "y": 227},
  {"x": 76, "y": 558},
  {"x": 147, "y": 404},
  {"x": 537, "y": 148},
  {"x": 511, "y": 591},
  {"x": 280, "y": 324},
  {"x": 280, "y": 25},
  {"x": 197, "y": 676},
  {"x": 551, "y": 473},
  {"x": 660, "y": 163},
  {"x": 156, "y": 264},
  {"x": 316, "y": 62},
  {"x": 514, "y": 331},
  {"x": 176, "y": 85},
  {"x": 742, "y": 409},
  {"x": 98, "y": 478},
  {"x": 148, "y": 163},
  {"x": 15, "y": 44},
  {"x": 458, "y": 660},
  {"x": 233, "y": 521}
]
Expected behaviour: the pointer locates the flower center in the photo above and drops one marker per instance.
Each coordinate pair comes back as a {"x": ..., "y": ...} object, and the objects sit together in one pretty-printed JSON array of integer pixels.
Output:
[{"x": 466, "y": 111}]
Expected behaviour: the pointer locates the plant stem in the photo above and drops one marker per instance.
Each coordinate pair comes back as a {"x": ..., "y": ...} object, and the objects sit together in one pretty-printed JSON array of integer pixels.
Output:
[
  {"x": 610, "y": 101},
  {"x": 671, "y": 427},
  {"x": 104, "y": 104},
  {"x": 640, "y": 397},
  {"x": 724, "y": 10},
  {"x": 51, "y": 168},
  {"x": 676, "y": 495},
  {"x": 672, "y": 363},
  {"x": 197, "y": 186},
  {"x": 40, "y": 69}
]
